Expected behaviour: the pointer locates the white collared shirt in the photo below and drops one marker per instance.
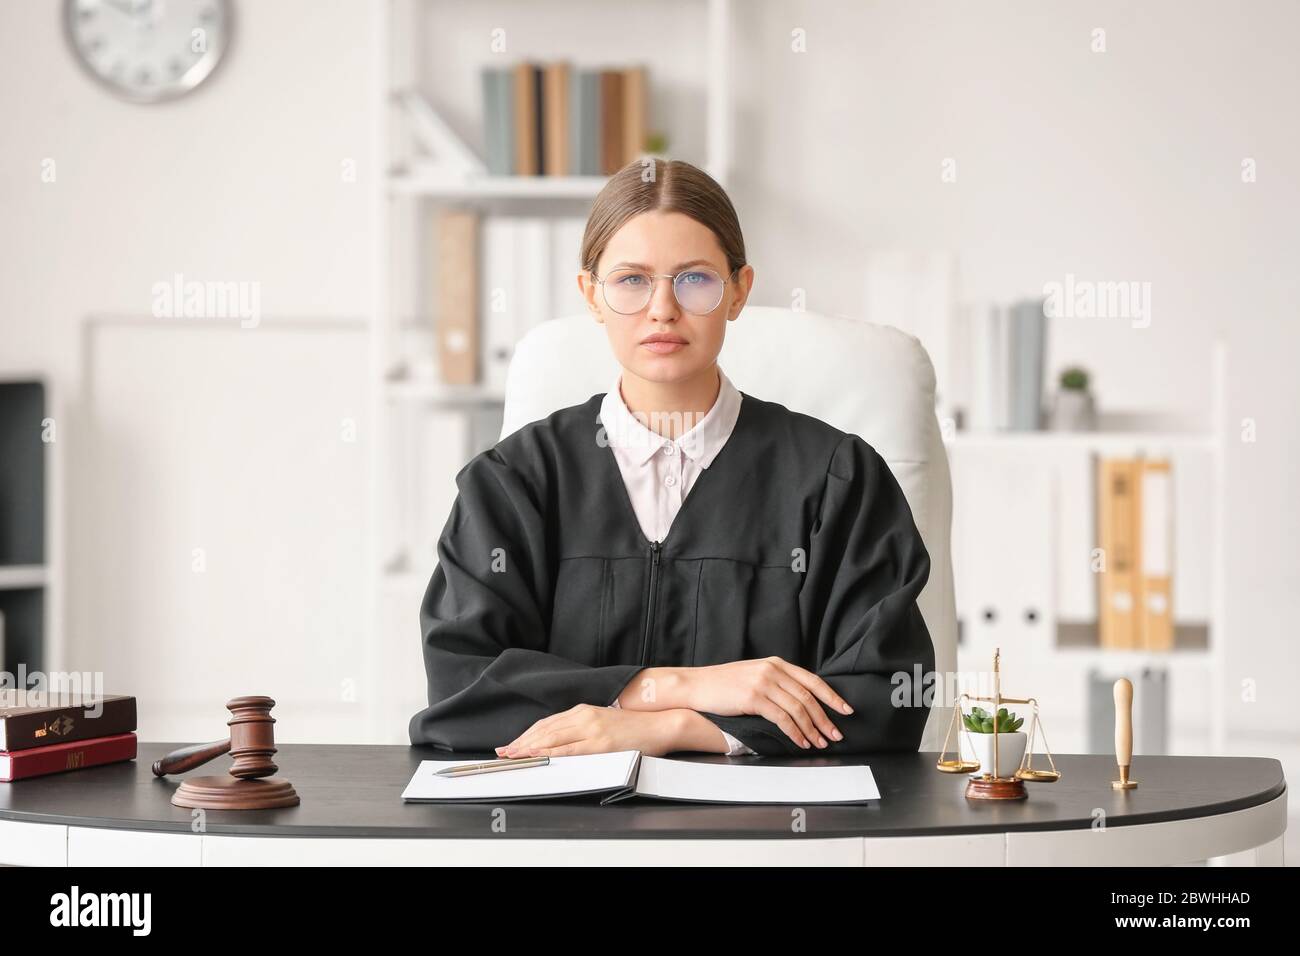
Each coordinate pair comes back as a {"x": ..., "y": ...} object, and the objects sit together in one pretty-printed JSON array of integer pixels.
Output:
[{"x": 659, "y": 472}]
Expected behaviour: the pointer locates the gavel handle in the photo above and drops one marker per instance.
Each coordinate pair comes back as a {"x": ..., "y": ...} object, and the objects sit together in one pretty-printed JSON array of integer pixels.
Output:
[{"x": 187, "y": 758}]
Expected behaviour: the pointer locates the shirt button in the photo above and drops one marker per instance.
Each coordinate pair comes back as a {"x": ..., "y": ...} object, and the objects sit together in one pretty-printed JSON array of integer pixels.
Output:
[
  {"x": 670, "y": 448},
  {"x": 670, "y": 480}
]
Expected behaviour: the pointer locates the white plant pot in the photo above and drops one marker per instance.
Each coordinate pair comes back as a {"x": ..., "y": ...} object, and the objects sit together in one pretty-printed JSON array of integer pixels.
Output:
[
  {"x": 1074, "y": 411},
  {"x": 1011, "y": 750}
]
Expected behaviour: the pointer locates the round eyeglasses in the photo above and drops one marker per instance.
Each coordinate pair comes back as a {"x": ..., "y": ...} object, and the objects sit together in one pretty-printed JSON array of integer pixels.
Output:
[{"x": 698, "y": 289}]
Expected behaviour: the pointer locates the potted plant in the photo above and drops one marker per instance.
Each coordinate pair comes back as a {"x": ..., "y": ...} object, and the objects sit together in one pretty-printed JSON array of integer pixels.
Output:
[
  {"x": 1074, "y": 409},
  {"x": 654, "y": 147},
  {"x": 1011, "y": 740}
]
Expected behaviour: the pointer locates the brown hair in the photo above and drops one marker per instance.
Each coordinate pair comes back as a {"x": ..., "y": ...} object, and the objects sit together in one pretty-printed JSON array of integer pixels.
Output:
[{"x": 671, "y": 185}]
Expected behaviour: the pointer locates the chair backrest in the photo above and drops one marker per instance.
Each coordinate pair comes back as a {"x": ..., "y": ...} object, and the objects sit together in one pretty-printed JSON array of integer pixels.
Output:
[{"x": 873, "y": 380}]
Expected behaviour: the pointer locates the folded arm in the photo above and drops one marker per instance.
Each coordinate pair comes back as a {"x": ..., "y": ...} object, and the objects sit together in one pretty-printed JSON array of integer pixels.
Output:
[{"x": 863, "y": 631}]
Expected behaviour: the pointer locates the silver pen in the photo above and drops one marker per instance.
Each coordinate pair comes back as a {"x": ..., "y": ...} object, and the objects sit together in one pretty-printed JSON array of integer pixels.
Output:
[{"x": 505, "y": 763}]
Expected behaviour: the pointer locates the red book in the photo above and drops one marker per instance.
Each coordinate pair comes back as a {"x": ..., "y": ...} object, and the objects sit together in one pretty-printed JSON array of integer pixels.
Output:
[{"x": 56, "y": 758}]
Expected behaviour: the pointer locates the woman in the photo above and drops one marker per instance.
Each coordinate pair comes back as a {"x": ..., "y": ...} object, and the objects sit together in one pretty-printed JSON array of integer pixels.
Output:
[{"x": 673, "y": 564}]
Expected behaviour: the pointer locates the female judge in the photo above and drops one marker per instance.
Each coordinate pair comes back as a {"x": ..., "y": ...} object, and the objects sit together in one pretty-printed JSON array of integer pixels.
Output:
[{"x": 673, "y": 564}]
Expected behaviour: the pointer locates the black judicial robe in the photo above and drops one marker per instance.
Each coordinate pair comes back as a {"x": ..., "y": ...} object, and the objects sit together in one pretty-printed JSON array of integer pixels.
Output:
[{"x": 796, "y": 541}]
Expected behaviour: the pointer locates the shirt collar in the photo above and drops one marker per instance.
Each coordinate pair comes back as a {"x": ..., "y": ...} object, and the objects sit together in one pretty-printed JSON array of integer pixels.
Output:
[{"x": 701, "y": 443}]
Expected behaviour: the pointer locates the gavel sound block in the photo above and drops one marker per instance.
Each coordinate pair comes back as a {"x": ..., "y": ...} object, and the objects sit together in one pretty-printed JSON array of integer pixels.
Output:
[{"x": 251, "y": 743}]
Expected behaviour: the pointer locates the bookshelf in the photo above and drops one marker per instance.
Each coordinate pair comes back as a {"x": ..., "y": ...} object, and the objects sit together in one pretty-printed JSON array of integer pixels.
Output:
[
  {"x": 1070, "y": 646},
  {"x": 1108, "y": 442},
  {"x": 30, "y": 527},
  {"x": 418, "y": 182},
  {"x": 407, "y": 395}
]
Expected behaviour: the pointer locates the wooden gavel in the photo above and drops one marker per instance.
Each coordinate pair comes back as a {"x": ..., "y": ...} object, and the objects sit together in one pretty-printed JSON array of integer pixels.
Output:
[{"x": 251, "y": 743}]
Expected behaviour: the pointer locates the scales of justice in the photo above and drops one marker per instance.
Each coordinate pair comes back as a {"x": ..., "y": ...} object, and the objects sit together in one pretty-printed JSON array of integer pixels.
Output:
[{"x": 992, "y": 784}]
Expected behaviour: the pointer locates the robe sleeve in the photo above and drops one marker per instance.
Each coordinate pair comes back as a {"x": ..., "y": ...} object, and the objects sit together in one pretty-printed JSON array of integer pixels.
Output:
[
  {"x": 484, "y": 621},
  {"x": 866, "y": 567}
]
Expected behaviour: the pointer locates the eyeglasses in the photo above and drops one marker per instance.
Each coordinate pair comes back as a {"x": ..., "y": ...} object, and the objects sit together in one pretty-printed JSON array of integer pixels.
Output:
[{"x": 698, "y": 289}]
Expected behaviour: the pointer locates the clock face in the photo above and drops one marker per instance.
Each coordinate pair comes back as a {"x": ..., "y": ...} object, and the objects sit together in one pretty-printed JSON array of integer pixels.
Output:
[{"x": 148, "y": 50}]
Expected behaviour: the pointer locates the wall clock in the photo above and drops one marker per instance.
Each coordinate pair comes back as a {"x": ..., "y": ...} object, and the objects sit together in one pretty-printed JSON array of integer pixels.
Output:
[{"x": 148, "y": 50}]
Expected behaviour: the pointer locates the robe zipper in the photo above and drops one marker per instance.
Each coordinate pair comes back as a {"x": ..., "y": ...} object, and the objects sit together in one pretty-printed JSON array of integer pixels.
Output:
[{"x": 652, "y": 593}]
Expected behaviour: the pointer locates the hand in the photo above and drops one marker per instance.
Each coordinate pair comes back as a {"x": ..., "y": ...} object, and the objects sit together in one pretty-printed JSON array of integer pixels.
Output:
[
  {"x": 591, "y": 729},
  {"x": 788, "y": 695}
]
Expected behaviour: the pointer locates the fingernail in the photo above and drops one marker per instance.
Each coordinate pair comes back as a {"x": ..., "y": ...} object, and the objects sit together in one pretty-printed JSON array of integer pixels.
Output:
[
  {"x": 848, "y": 709},
  {"x": 821, "y": 741},
  {"x": 804, "y": 744},
  {"x": 837, "y": 735}
]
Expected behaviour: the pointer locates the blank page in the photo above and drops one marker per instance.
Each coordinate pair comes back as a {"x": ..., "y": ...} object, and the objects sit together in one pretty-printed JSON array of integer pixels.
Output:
[
  {"x": 563, "y": 776},
  {"x": 754, "y": 783}
]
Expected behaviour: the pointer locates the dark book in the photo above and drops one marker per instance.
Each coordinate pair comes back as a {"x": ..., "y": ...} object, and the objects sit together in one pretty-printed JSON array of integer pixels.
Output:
[
  {"x": 60, "y": 757},
  {"x": 30, "y": 719},
  {"x": 539, "y": 122}
]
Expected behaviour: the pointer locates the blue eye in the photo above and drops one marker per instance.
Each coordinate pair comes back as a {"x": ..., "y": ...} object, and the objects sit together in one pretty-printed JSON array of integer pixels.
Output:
[{"x": 629, "y": 279}]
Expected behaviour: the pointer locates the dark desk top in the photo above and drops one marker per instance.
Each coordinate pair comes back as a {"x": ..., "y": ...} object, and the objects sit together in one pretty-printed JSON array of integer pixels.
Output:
[{"x": 355, "y": 791}]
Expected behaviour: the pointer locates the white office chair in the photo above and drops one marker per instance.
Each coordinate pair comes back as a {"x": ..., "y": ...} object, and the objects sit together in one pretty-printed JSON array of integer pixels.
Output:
[{"x": 873, "y": 380}]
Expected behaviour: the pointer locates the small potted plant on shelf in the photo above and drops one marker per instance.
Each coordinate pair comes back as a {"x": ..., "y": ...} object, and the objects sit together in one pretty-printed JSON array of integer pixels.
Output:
[
  {"x": 1074, "y": 409},
  {"x": 654, "y": 147},
  {"x": 1011, "y": 740}
]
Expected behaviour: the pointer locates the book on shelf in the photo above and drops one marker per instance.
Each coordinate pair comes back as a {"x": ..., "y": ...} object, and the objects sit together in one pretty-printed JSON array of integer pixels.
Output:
[
  {"x": 498, "y": 277},
  {"x": 1117, "y": 575},
  {"x": 456, "y": 270},
  {"x": 610, "y": 136},
  {"x": 1155, "y": 539},
  {"x": 66, "y": 755},
  {"x": 1007, "y": 349},
  {"x": 555, "y": 119},
  {"x": 526, "y": 120},
  {"x": 1028, "y": 354},
  {"x": 1135, "y": 533}
]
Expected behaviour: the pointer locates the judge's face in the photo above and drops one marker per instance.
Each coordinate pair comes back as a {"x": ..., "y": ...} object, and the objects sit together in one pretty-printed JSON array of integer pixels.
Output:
[{"x": 670, "y": 336}]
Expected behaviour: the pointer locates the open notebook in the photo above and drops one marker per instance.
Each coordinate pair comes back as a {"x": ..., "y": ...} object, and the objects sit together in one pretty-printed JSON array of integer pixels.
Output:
[{"x": 628, "y": 773}]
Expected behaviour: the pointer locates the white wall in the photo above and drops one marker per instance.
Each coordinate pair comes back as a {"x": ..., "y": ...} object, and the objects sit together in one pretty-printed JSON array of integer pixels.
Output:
[{"x": 226, "y": 440}]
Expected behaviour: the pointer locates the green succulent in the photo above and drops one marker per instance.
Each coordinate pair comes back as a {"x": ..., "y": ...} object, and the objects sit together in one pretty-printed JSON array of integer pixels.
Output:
[
  {"x": 1075, "y": 379},
  {"x": 980, "y": 721},
  {"x": 656, "y": 143}
]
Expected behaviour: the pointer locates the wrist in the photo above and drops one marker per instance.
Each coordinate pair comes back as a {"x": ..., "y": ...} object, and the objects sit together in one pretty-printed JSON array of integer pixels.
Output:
[
  {"x": 657, "y": 688},
  {"x": 676, "y": 687},
  {"x": 694, "y": 731}
]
